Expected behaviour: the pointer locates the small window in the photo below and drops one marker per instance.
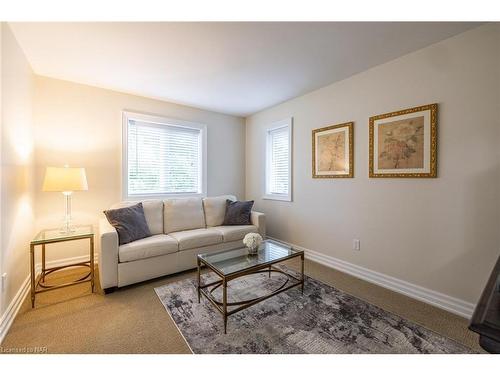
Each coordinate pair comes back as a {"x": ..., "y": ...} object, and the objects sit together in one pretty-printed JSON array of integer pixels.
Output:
[
  {"x": 279, "y": 161},
  {"x": 163, "y": 157}
]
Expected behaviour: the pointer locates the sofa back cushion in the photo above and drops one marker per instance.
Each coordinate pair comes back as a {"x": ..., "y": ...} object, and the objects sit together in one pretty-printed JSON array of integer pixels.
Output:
[
  {"x": 153, "y": 211},
  {"x": 215, "y": 209},
  {"x": 182, "y": 214}
]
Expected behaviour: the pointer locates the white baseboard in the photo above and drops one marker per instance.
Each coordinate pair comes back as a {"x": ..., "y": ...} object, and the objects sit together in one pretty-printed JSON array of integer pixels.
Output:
[
  {"x": 10, "y": 314},
  {"x": 443, "y": 301}
]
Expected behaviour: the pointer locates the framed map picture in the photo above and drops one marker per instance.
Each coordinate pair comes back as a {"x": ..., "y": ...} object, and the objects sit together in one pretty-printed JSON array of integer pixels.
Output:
[
  {"x": 404, "y": 143},
  {"x": 332, "y": 151}
]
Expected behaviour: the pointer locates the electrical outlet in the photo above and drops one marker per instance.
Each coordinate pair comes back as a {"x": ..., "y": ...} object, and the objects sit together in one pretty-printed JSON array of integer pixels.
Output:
[
  {"x": 356, "y": 245},
  {"x": 4, "y": 279}
]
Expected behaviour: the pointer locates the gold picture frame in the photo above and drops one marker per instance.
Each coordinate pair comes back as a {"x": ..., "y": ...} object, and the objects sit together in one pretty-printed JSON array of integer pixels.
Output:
[
  {"x": 331, "y": 156},
  {"x": 409, "y": 139}
]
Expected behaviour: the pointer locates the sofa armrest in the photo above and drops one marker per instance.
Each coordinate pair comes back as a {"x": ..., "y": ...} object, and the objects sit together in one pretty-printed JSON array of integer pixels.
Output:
[
  {"x": 108, "y": 255},
  {"x": 259, "y": 220}
]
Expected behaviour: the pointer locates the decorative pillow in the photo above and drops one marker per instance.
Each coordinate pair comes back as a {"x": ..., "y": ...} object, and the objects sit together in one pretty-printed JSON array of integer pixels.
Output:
[
  {"x": 129, "y": 222},
  {"x": 237, "y": 213}
]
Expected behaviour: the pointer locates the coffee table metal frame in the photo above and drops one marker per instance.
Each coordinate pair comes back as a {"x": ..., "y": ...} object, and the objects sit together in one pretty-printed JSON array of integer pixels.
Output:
[{"x": 267, "y": 267}]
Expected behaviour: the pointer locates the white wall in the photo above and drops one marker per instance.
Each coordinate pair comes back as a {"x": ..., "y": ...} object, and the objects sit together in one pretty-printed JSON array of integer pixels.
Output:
[
  {"x": 16, "y": 149},
  {"x": 442, "y": 234},
  {"x": 82, "y": 126}
]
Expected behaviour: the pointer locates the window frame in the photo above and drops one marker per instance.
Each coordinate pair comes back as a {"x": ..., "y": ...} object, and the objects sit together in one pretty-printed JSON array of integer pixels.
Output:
[
  {"x": 286, "y": 123},
  {"x": 166, "y": 121}
]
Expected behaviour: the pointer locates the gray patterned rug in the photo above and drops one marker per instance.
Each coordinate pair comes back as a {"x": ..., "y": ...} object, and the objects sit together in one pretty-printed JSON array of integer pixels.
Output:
[{"x": 323, "y": 320}]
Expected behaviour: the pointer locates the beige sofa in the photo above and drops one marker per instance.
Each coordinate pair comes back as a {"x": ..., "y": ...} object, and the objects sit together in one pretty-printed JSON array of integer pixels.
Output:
[{"x": 180, "y": 228}]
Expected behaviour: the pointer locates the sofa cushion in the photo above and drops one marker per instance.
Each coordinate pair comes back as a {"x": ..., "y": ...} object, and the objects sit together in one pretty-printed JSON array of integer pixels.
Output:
[
  {"x": 159, "y": 244},
  {"x": 182, "y": 214},
  {"x": 215, "y": 209},
  {"x": 235, "y": 232},
  {"x": 129, "y": 222},
  {"x": 153, "y": 211},
  {"x": 238, "y": 213},
  {"x": 189, "y": 239}
]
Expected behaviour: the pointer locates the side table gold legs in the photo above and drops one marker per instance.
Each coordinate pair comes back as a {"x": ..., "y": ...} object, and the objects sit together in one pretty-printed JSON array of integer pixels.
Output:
[
  {"x": 43, "y": 262},
  {"x": 92, "y": 264},
  {"x": 39, "y": 285},
  {"x": 32, "y": 270}
]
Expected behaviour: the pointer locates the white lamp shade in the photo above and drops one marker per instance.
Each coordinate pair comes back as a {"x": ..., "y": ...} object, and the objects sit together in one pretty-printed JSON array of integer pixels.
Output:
[{"x": 64, "y": 179}]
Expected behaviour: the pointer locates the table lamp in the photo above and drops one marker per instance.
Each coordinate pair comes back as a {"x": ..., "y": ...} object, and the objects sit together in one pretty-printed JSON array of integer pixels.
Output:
[{"x": 65, "y": 180}]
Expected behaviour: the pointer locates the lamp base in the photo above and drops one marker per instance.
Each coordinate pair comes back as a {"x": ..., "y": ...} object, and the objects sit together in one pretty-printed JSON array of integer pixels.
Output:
[{"x": 67, "y": 229}]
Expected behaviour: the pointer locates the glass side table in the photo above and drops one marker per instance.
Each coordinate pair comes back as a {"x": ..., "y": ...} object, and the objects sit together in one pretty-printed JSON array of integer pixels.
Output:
[{"x": 48, "y": 236}]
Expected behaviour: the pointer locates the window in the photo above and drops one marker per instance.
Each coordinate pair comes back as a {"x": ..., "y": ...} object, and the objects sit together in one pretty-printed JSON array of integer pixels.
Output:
[
  {"x": 279, "y": 161},
  {"x": 163, "y": 157}
]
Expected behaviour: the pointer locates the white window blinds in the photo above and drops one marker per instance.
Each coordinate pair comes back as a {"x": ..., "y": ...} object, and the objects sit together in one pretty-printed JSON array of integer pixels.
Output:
[
  {"x": 163, "y": 159},
  {"x": 279, "y": 162}
]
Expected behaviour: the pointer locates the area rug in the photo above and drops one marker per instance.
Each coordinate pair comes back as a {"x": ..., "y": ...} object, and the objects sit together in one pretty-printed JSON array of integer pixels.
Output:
[{"x": 322, "y": 320}]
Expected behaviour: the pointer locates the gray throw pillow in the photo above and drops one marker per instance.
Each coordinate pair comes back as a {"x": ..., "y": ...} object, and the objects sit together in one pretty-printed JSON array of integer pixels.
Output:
[
  {"x": 129, "y": 222},
  {"x": 237, "y": 213}
]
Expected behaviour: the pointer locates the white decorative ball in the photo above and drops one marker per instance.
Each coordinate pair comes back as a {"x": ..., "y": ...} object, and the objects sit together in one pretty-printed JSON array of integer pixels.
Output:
[{"x": 252, "y": 240}]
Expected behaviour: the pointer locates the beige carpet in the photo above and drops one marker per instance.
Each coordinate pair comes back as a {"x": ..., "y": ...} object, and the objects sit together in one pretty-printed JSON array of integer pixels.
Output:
[{"x": 133, "y": 320}]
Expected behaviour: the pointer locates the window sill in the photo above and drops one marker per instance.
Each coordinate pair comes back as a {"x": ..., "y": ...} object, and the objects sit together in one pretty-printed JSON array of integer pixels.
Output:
[
  {"x": 277, "y": 197},
  {"x": 163, "y": 196}
]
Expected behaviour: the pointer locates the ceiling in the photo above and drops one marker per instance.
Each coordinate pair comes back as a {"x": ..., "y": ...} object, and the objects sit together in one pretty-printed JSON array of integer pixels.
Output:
[{"x": 234, "y": 68}]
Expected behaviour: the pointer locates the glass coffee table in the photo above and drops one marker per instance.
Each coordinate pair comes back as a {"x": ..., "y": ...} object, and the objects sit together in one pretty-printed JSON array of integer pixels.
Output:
[{"x": 232, "y": 264}]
